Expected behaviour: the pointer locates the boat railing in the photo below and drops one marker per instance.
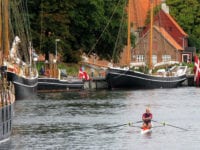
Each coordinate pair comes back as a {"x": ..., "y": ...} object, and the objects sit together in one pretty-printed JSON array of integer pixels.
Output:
[
  {"x": 179, "y": 70},
  {"x": 120, "y": 68}
]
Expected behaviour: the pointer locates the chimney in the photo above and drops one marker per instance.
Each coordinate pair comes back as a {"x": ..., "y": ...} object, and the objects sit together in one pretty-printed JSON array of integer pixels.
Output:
[{"x": 164, "y": 7}]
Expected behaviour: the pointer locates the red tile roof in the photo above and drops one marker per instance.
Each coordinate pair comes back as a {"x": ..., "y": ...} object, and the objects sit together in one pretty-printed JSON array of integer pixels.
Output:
[
  {"x": 166, "y": 23},
  {"x": 168, "y": 38},
  {"x": 176, "y": 24}
]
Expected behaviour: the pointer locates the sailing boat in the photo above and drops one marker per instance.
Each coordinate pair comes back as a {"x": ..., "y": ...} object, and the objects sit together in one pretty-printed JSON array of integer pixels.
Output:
[
  {"x": 7, "y": 97},
  {"x": 22, "y": 73},
  {"x": 53, "y": 79},
  {"x": 126, "y": 78}
]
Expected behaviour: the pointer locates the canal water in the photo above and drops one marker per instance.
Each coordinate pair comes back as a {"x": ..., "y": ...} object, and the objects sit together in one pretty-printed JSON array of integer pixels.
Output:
[{"x": 88, "y": 120}]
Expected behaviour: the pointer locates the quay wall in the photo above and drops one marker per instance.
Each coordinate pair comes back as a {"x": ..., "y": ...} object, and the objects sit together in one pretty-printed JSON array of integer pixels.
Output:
[{"x": 96, "y": 83}]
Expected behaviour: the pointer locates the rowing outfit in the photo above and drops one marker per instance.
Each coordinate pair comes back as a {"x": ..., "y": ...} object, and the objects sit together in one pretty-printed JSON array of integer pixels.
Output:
[{"x": 145, "y": 115}]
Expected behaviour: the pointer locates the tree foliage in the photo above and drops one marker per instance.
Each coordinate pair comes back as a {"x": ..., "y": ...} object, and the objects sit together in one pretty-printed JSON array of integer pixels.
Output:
[
  {"x": 95, "y": 26},
  {"x": 79, "y": 25},
  {"x": 187, "y": 14}
]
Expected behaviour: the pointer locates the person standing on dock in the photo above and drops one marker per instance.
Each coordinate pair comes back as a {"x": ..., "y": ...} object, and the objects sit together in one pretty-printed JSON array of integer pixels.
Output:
[
  {"x": 83, "y": 74},
  {"x": 146, "y": 117}
]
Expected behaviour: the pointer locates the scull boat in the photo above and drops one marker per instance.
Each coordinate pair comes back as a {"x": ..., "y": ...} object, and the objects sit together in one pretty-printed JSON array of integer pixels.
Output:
[{"x": 146, "y": 130}]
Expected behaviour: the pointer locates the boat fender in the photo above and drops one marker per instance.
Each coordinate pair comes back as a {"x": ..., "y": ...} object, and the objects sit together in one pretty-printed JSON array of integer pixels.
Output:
[
  {"x": 9, "y": 97},
  {"x": 16, "y": 69},
  {"x": 4, "y": 99}
]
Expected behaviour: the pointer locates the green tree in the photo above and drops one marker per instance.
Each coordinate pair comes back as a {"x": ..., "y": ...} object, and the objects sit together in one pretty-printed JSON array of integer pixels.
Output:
[
  {"x": 78, "y": 24},
  {"x": 113, "y": 30},
  {"x": 187, "y": 14},
  {"x": 54, "y": 24}
]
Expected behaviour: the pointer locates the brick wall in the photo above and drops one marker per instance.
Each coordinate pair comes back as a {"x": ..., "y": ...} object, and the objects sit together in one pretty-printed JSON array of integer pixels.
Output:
[{"x": 160, "y": 47}]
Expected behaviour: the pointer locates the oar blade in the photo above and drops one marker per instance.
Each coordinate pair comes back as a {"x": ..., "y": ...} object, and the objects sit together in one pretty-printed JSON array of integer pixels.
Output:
[
  {"x": 176, "y": 127},
  {"x": 166, "y": 124}
]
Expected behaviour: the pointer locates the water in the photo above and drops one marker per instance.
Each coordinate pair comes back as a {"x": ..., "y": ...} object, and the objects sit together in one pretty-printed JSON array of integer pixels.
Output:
[{"x": 82, "y": 120}]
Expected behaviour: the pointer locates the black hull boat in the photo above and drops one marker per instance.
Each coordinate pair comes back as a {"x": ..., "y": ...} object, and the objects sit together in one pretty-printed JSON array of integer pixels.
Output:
[
  {"x": 46, "y": 84},
  {"x": 19, "y": 58},
  {"x": 121, "y": 78},
  {"x": 25, "y": 88},
  {"x": 118, "y": 78},
  {"x": 7, "y": 99},
  {"x": 23, "y": 75},
  {"x": 53, "y": 79}
]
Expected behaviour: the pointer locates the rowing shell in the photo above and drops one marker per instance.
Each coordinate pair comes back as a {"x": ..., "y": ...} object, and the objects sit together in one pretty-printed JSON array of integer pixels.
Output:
[{"x": 146, "y": 130}]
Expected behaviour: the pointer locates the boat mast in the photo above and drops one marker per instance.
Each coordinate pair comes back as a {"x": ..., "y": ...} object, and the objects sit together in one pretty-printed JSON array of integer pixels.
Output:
[
  {"x": 5, "y": 29},
  {"x": 128, "y": 36},
  {"x": 151, "y": 34},
  {"x": 1, "y": 52}
]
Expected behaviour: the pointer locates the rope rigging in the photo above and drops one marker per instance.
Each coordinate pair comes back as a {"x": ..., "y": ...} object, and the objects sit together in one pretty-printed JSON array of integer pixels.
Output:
[
  {"x": 118, "y": 36},
  {"x": 20, "y": 25},
  {"x": 107, "y": 25}
]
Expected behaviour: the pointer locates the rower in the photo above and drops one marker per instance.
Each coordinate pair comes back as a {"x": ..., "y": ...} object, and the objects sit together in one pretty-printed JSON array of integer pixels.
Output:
[{"x": 146, "y": 117}]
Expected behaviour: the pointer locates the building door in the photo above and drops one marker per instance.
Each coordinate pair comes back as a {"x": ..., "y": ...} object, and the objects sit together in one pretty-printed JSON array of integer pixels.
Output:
[{"x": 185, "y": 58}]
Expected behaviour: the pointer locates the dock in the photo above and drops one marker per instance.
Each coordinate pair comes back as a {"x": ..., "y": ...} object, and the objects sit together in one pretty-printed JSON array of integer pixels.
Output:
[
  {"x": 96, "y": 83},
  {"x": 190, "y": 80}
]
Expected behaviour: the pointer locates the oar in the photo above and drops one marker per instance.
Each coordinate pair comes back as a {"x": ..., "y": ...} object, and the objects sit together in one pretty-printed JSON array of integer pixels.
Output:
[
  {"x": 125, "y": 124},
  {"x": 131, "y": 124},
  {"x": 120, "y": 125},
  {"x": 157, "y": 126},
  {"x": 163, "y": 123}
]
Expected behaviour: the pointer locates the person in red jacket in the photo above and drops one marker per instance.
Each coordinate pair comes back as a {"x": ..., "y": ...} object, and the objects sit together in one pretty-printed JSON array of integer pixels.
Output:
[{"x": 146, "y": 117}]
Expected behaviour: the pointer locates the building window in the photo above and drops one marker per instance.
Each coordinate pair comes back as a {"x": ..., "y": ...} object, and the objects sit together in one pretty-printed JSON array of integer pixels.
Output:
[
  {"x": 140, "y": 58},
  {"x": 166, "y": 58},
  {"x": 154, "y": 59}
]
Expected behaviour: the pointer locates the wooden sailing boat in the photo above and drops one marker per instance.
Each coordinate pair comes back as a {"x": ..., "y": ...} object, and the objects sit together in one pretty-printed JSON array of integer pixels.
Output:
[
  {"x": 126, "y": 78},
  {"x": 52, "y": 79},
  {"x": 22, "y": 73},
  {"x": 7, "y": 97}
]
